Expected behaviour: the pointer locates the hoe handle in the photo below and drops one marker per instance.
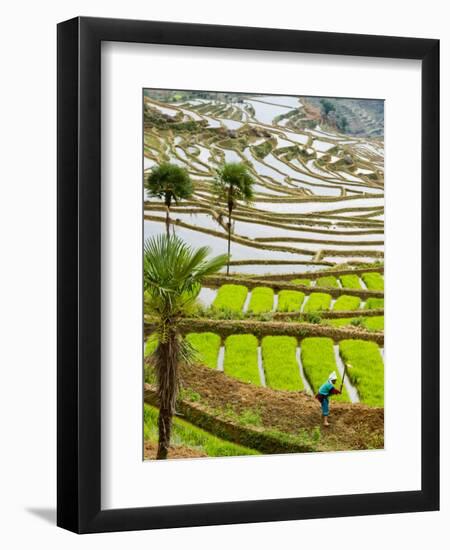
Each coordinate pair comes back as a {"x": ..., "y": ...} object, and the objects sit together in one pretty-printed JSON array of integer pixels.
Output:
[{"x": 343, "y": 377}]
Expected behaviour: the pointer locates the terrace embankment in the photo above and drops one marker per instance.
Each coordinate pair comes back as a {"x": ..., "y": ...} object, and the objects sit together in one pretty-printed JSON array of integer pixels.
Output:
[
  {"x": 221, "y": 403},
  {"x": 309, "y": 275},
  {"x": 263, "y": 328},
  {"x": 280, "y": 315},
  {"x": 214, "y": 281}
]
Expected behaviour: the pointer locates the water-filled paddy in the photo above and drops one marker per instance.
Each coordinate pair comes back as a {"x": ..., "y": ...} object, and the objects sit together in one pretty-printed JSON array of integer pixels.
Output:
[{"x": 296, "y": 177}]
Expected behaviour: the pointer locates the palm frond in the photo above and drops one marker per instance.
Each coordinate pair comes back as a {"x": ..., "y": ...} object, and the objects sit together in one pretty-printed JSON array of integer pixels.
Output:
[
  {"x": 168, "y": 179},
  {"x": 235, "y": 179},
  {"x": 173, "y": 271}
]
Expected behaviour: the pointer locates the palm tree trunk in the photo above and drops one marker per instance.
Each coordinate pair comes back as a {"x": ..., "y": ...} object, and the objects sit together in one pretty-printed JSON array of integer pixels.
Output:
[
  {"x": 230, "y": 210},
  {"x": 168, "y": 201},
  {"x": 167, "y": 221},
  {"x": 164, "y": 429},
  {"x": 167, "y": 375},
  {"x": 229, "y": 241}
]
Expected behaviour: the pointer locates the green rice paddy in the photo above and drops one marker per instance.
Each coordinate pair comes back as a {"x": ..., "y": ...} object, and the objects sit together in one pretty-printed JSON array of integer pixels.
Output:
[
  {"x": 280, "y": 363},
  {"x": 241, "y": 358},
  {"x": 290, "y": 300},
  {"x": 206, "y": 345},
  {"x": 317, "y": 301},
  {"x": 367, "y": 372}
]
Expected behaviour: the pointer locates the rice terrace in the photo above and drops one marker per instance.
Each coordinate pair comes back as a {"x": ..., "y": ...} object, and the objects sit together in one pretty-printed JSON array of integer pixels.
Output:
[{"x": 242, "y": 337}]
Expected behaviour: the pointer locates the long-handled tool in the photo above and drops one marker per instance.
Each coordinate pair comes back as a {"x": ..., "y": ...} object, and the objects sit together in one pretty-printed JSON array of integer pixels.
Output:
[{"x": 343, "y": 376}]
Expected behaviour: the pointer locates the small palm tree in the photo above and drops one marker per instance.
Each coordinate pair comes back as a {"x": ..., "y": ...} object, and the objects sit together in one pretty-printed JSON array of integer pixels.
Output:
[
  {"x": 233, "y": 183},
  {"x": 173, "y": 272},
  {"x": 169, "y": 182}
]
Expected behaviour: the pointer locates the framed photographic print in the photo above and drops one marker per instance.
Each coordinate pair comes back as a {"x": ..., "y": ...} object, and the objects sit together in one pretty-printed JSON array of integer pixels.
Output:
[{"x": 248, "y": 289}]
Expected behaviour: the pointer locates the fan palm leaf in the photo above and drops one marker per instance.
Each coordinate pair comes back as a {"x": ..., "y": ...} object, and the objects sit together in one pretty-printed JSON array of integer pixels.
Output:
[
  {"x": 233, "y": 183},
  {"x": 173, "y": 272}
]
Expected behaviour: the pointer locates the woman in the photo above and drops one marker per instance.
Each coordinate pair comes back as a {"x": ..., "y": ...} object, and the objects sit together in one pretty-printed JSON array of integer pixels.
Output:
[{"x": 323, "y": 395}]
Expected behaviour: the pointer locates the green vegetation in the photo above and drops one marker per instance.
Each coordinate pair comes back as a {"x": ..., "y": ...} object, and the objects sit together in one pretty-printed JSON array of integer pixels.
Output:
[
  {"x": 374, "y": 303},
  {"x": 189, "y": 435},
  {"x": 173, "y": 275},
  {"x": 206, "y": 345},
  {"x": 318, "y": 362},
  {"x": 261, "y": 300},
  {"x": 304, "y": 282},
  {"x": 280, "y": 363},
  {"x": 326, "y": 106},
  {"x": 263, "y": 149},
  {"x": 350, "y": 281},
  {"x": 369, "y": 323},
  {"x": 290, "y": 300},
  {"x": 314, "y": 318},
  {"x": 246, "y": 417},
  {"x": 241, "y": 358},
  {"x": 149, "y": 371},
  {"x": 150, "y": 345},
  {"x": 249, "y": 417},
  {"x": 347, "y": 303},
  {"x": 170, "y": 183},
  {"x": 367, "y": 371},
  {"x": 230, "y": 298},
  {"x": 374, "y": 323},
  {"x": 233, "y": 183},
  {"x": 373, "y": 281},
  {"x": 188, "y": 394},
  {"x": 317, "y": 301},
  {"x": 328, "y": 281},
  {"x": 342, "y": 322}
]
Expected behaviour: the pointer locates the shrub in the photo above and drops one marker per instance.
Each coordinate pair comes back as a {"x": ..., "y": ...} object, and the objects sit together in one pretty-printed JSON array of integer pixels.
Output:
[
  {"x": 290, "y": 300},
  {"x": 328, "y": 281},
  {"x": 373, "y": 281},
  {"x": 347, "y": 303},
  {"x": 350, "y": 281},
  {"x": 241, "y": 358},
  {"x": 367, "y": 372},
  {"x": 314, "y": 318},
  {"x": 261, "y": 300},
  {"x": 374, "y": 303},
  {"x": 207, "y": 345},
  {"x": 317, "y": 301},
  {"x": 280, "y": 363},
  {"x": 230, "y": 297},
  {"x": 318, "y": 362}
]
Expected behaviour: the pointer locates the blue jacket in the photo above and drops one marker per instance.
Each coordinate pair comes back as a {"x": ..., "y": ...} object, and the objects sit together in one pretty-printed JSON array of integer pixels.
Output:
[{"x": 327, "y": 389}]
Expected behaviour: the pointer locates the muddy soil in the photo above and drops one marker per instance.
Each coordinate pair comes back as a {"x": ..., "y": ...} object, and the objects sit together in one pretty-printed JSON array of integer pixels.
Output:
[{"x": 353, "y": 426}]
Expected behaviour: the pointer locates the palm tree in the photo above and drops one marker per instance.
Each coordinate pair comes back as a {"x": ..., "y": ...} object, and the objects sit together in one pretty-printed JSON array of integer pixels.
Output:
[
  {"x": 173, "y": 272},
  {"x": 233, "y": 183},
  {"x": 169, "y": 182}
]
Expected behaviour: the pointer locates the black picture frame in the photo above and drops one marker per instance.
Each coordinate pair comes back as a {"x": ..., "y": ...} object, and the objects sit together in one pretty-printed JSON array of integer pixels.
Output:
[{"x": 79, "y": 281}]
